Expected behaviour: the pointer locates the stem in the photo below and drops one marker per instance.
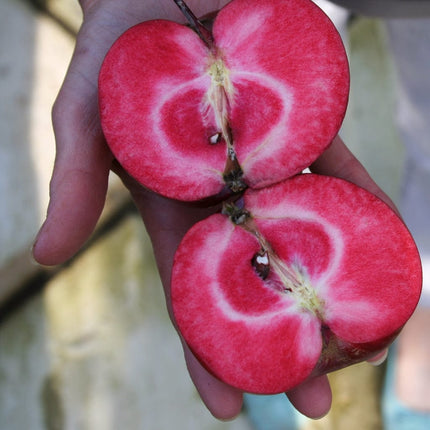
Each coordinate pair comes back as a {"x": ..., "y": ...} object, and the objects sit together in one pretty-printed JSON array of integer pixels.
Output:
[
  {"x": 196, "y": 24},
  {"x": 218, "y": 94}
]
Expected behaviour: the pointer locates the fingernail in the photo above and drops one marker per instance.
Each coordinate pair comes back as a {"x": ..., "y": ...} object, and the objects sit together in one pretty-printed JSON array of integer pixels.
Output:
[
  {"x": 31, "y": 256},
  {"x": 379, "y": 359},
  {"x": 34, "y": 245}
]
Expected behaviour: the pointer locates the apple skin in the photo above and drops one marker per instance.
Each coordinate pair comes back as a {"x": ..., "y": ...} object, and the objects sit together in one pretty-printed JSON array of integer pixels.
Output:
[
  {"x": 282, "y": 70},
  {"x": 359, "y": 279}
]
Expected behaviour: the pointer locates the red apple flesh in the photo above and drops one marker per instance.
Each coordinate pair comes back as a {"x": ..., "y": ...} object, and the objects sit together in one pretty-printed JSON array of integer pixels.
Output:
[
  {"x": 304, "y": 277},
  {"x": 258, "y": 105}
]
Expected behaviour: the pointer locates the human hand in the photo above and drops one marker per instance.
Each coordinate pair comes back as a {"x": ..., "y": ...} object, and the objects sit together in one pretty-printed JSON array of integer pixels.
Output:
[{"x": 79, "y": 182}]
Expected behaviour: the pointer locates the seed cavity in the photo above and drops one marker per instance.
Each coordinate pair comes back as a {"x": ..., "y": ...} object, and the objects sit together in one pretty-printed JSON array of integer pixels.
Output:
[
  {"x": 215, "y": 138},
  {"x": 261, "y": 264},
  {"x": 289, "y": 278}
]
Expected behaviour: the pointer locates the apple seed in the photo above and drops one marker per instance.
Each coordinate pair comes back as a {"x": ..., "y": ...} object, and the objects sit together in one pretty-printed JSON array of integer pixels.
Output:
[
  {"x": 261, "y": 264},
  {"x": 215, "y": 138}
]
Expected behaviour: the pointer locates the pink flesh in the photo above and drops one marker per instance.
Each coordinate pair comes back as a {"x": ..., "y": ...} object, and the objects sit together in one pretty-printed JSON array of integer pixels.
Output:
[
  {"x": 292, "y": 49},
  {"x": 357, "y": 255},
  {"x": 150, "y": 89},
  {"x": 372, "y": 282},
  {"x": 242, "y": 331},
  {"x": 290, "y": 77}
]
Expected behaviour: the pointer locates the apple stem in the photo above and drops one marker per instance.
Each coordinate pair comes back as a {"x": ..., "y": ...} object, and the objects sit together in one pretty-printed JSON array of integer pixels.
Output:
[
  {"x": 204, "y": 34},
  {"x": 233, "y": 174}
]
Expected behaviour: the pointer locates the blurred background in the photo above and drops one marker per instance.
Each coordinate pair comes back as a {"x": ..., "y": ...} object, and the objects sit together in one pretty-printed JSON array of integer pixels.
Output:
[{"x": 89, "y": 345}]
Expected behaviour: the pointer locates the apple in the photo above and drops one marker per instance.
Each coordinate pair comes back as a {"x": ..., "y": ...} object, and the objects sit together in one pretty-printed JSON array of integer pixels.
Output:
[
  {"x": 256, "y": 101},
  {"x": 292, "y": 281}
]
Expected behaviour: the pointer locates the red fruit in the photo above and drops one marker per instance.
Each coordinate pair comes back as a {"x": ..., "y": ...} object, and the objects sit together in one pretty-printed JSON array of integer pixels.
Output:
[
  {"x": 254, "y": 106},
  {"x": 299, "y": 278},
  {"x": 302, "y": 278}
]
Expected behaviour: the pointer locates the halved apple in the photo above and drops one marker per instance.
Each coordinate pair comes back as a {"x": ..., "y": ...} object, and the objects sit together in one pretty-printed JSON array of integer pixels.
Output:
[
  {"x": 294, "y": 280},
  {"x": 257, "y": 103}
]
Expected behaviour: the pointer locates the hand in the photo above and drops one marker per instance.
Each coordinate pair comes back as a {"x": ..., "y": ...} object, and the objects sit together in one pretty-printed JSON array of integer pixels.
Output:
[{"x": 79, "y": 182}]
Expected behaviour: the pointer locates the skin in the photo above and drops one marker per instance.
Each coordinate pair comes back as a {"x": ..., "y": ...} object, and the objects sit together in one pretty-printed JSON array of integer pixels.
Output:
[{"x": 80, "y": 178}]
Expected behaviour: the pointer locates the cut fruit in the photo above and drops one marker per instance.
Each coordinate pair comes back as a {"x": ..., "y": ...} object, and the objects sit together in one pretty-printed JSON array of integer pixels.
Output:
[
  {"x": 299, "y": 276},
  {"x": 295, "y": 280},
  {"x": 189, "y": 120}
]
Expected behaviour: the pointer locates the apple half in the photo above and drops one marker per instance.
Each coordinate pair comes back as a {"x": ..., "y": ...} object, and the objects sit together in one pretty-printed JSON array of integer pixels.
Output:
[
  {"x": 292, "y": 281},
  {"x": 254, "y": 104}
]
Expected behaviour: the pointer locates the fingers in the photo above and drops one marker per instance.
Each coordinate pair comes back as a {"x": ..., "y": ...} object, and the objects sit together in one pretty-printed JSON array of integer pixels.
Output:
[
  {"x": 378, "y": 359},
  {"x": 80, "y": 177},
  {"x": 77, "y": 194},
  {"x": 77, "y": 200},
  {"x": 339, "y": 161},
  {"x": 166, "y": 222},
  {"x": 79, "y": 181},
  {"x": 223, "y": 401},
  {"x": 312, "y": 398}
]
